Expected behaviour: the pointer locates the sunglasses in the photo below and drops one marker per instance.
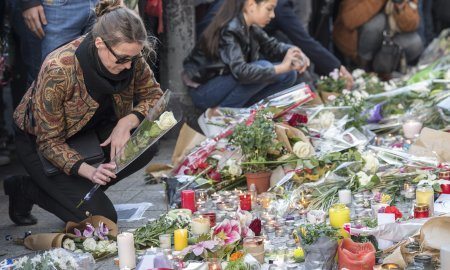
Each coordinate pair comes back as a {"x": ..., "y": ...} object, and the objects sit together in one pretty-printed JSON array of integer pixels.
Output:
[{"x": 122, "y": 59}]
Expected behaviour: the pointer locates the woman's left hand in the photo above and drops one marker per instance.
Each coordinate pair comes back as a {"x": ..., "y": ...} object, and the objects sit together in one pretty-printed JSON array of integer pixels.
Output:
[{"x": 120, "y": 134}]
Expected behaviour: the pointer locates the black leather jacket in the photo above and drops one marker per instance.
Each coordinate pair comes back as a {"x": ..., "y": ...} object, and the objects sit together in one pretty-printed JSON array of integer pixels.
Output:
[{"x": 238, "y": 48}]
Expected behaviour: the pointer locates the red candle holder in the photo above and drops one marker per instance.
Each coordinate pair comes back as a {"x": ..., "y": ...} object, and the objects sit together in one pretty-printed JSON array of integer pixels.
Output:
[
  {"x": 245, "y": 201},
  {"x": 445, "y": 188},
  {"x": 188, "y": 200},
  {"x": 212, "y": 218}
]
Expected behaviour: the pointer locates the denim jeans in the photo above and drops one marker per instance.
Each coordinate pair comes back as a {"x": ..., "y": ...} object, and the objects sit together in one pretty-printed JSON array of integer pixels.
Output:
[
  {"x": 67, "y": 20},
  {"x": 226, "y": 91},
  {"x": 371, "y": 38}
]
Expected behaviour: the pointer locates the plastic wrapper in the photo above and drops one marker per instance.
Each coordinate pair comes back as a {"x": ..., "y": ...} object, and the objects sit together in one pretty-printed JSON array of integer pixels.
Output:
[
  {"x": 145, "y": 135},
  {"x": 320, "y": 255},
  {"x": 394, "y": 232},
  {"x": 439, "y": 47},
  {"x": 400, "y": 158}
]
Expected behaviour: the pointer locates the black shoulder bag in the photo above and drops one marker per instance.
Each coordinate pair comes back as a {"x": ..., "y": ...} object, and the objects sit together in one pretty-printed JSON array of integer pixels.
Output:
[
  {"x": 86, "y": 144},
  {"x": 387, "y": 59}
]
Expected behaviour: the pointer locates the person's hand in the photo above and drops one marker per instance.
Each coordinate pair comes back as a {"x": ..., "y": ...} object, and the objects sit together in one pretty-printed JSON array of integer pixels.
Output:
[
  {"x": 302, "y": 63},
  {"x": 287, "y": 63},
  {"x": 343, "y": 72},
  {"x": 34, "y": 19},
  {"x": 103, "y": 174},
  {"x": 119, "y": 136}
]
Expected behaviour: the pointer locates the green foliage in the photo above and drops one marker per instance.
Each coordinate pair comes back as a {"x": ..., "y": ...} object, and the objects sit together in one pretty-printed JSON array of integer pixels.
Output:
[
  {"x": 255, "y": 140},
  {"x": 310, "y": 233}
]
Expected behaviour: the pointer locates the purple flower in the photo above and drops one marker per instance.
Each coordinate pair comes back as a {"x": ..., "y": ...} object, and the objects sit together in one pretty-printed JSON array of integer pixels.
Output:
[
  {"x": 374, "y": 115},
  {"x": 77, "y": 232},
  {"x": 102, "y": 231},
  {"x": 89, "y": 231}
]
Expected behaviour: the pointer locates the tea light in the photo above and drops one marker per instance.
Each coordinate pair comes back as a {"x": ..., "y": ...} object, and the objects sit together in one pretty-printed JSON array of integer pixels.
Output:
[
  {"x": 359, "y": 198},
  {"x": 200, "y": 226},
  {"x": 226, "y": 193},
  {"x": 188, "y": 200},
  {"x": 221, "y": 205},
  {"x": 215, "y": 196},
  {"x": 245, "y": 201},
  {"x": 127, "y": 253},
  {"x": 200, "y": 205},
  {"x": 411, "y": 129},
  {"x": 345, "y": 196},
  {"x": 409, "y": 191},
  {"x": 165, "y": 241},
  {"x": 201, "y": 194},
  {"x": 390, "y": 266},
  {"x": 180, "y": 239}
]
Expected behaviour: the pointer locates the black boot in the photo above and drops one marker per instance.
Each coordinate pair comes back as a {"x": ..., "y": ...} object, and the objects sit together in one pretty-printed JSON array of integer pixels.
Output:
[{"x": 19, "y": 205}]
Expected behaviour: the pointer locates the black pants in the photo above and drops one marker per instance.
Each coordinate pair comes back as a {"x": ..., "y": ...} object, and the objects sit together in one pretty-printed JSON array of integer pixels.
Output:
[{"x": 60, "y": 194}]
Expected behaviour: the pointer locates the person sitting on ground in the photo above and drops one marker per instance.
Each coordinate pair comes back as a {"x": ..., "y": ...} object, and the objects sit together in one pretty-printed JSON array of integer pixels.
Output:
[
  {"x": 235, "y": 63},
  {"x": 288, "y": 23},
  {"x": 359, "y": 26},
  {"x": 89, "y": 84}
]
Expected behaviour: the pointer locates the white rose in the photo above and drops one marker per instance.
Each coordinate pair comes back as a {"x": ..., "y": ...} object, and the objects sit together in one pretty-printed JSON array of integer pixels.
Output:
[
  {"x": 374, "y": 79},
  {"x": 102, "y": 245},
  {"x": 346, "y": 92},
  {"x": 302, "y": 149},
  {"x": 371, "y": 162},
  {"x": 233, "y": 168},
  {"x": 363, "y": 178},
  {"x": 89, "y": 244},
  {"x": 112, "y": 247},
  {"x": 357, "y": 73},
  {"x": 166, "y": 121},
  {"x": 69, "y": 244},
  {"x": 361, "y": 82},
  {"x": 326, "y": 119}
]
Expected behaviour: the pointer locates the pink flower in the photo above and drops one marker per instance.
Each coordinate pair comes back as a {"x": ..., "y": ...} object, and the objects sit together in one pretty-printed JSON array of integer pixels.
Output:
[
  {"x": 77, "y": 232},
  {"x": 102, "y": 231},
  {"x": 247, "y": 232},
  {"x": 229, "y": 231},
  {"x": 199, "y": 248}
]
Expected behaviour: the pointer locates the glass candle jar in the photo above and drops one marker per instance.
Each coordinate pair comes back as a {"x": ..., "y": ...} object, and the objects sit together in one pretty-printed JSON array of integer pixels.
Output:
[
  {"x": 425, "y": 195},
  {"x": 421, "y": 211},
  {"x": 340, "y": 215}
]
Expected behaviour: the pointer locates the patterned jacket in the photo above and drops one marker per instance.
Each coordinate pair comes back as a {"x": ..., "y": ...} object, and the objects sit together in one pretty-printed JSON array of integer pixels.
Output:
[{"x": 61, "y": 105}]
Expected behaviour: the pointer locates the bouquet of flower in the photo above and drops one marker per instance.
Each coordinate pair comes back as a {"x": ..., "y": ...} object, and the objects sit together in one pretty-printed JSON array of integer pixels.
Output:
[
  {"x": 59, "y": 259},
  {"x": 95, "y": 240}
]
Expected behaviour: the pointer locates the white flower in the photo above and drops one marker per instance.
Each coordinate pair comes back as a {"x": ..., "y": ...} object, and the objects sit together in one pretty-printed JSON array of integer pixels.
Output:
[
  {"x": 166, "y": 121},
  {"x": 335, "y": 74},
  {"x": 69, "y": 244},
  {"x": 357, "y": 73},
  {"x": 112, "y": 247},
  {"x": 233, "y": 168},
  {"x": 89, "y": 244},
  {"x": 102, "y": 246},
  {"x": 363, "y": 178},
  {"x": 357, "y": 95},
  {"x": 371, "y": 162},
  {"x": 374, "y": 79},
  {"x": 331, "y": 97},
  {"x": 346, "y": 92},
  {"x": 361, "y": 82},
  {"x": 302, "y": 149},
  {"x": 326, "y": 119}
]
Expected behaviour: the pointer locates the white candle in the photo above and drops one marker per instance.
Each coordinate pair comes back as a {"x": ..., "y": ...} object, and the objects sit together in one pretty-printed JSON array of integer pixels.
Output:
[
  {"x": 127, "y": 254},
  {"x": 165, "y": 241},
  {"x": 200, "y": 225},
  {"x": 345, "y": 196},
  {"x": 411, "y": 129},
  {"x": 445, "y": 257}
]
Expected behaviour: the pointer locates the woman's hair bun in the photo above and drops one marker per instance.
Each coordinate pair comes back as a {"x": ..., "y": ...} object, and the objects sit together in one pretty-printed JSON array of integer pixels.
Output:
[{"x": 106, "y": 6}]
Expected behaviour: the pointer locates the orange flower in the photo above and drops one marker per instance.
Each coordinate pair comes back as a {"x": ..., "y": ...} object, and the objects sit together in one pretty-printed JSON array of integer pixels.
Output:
[{"x": 236, "y": 256}]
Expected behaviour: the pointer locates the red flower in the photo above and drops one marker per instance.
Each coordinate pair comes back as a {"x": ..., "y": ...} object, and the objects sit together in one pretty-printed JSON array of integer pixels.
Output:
[
  {"x": 393, "y": 210},
  {"x": 297, "y": 119},
  {"x": 255, "y": 226},
  {"x": 215, "y": 175}
]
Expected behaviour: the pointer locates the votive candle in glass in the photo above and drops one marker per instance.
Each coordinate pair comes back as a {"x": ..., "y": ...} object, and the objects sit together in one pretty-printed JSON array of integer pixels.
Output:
[
  {"x": 425, "y": 195},
  {"x": 200, "y": 225},
  {"x": 340, "y": 215},
  {"x": 180, "y": 239},
  {"x": 165, "y": 241},
  {"x": 245, "y": 201},
  {"x": 188, "y": 200}
]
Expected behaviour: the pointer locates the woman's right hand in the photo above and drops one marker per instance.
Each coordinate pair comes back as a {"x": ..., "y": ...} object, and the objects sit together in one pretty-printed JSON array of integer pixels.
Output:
[
  {"x": 288, "y": 64},
  {"x": 103, "y": 174},
  {"x": 100, "y": 175}
]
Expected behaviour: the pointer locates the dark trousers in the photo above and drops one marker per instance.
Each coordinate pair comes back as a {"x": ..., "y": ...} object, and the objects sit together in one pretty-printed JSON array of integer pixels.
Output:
[{"x": 60, "y": 194}]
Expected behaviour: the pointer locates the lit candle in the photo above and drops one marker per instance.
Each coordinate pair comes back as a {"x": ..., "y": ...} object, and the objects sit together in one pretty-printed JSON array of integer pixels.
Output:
[
  {"x": 165, "y": 241},
  {"x": 411, "y": 128},
  {"x": 425, "y": 195},
  {"x": 180, "y": 239},
  {"x": 127, "y": 254},
  {"x": 245, "y": 201},
  {"x": 200, "y": 226},
  {"x": 188, "y": 200},
  {"x": 340, "y": 215},
  {"x": 345, "y": 196},
  {"x": 390, "y": 266}
]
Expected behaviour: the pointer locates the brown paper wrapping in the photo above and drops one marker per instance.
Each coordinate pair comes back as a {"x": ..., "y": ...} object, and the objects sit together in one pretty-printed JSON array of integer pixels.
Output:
[
  {"x": 284, "y": 132},
  {"x": 187, "y": 140},
  {"x": 432, "y": 140}
]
